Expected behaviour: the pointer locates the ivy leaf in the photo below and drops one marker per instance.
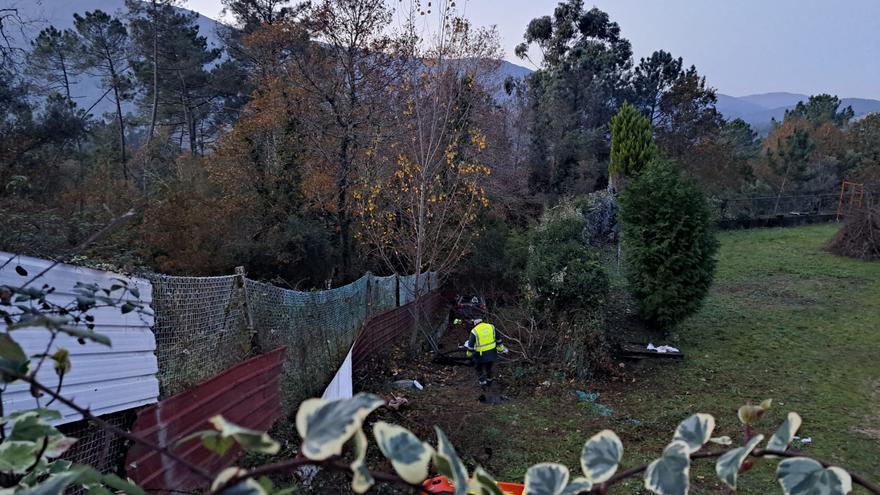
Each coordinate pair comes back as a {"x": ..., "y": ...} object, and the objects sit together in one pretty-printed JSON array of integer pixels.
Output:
[
  {"x": 56, "y": 483},
  {"x": 16, "y": 456},
  {"x": 246, "y": 487},
  {"x": 485, "y": 484},
  {"x": 58, "y": 445},
  {"x": 121, "y": 485},
  {"x": 695, "y": 431},
  {"x": 21, "y": 270},
  {"x": 12, "y": 358},
  {"x": 729, "y": 464},
  {"x": 803, "y": 476},
  {"x": 601, "y": 455},
  {"x": 578, "y": 485},
  {"x": 668, "y": 475},
  {"x": 135, "y": 292},
  {"x": 250, "y": 440},
  {"x": 408, "y": 455},
  {"x": 784, "y": 435},
  {"x": 449, "y": 464},
  {"x": 325, "y": 426},
  {"x": 361, "y": 479},
  {"x": 547, "y": 478}
]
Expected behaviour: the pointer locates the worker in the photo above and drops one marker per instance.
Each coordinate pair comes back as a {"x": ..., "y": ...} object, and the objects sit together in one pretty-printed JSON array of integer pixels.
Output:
[{"x": 483, "y": 347}]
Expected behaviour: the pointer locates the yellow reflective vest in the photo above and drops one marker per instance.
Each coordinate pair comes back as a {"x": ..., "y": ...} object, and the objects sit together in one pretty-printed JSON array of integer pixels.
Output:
[{"x": 484, "y": 339}]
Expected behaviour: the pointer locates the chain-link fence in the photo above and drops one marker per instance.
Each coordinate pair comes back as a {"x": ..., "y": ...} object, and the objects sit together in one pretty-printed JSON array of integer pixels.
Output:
[
  {"x": 201, "y": 328},
  {"x": 205, "y": 325}
]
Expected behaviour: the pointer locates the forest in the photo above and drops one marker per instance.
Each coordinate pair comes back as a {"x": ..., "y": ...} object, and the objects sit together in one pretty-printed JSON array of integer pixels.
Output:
[{"x": 330, "y": 138}]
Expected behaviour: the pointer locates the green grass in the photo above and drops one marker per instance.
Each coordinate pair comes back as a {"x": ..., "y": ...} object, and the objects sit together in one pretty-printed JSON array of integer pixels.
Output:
[{"x": 785, "y": 320}]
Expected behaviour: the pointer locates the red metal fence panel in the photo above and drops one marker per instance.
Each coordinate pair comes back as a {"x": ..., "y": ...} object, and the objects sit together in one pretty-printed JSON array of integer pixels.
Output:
[
  {"x": 383, "y": 330},
  {"x": 246, "y": 394}
]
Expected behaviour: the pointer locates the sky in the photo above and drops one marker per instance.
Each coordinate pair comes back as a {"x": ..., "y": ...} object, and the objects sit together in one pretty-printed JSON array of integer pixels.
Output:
[{"x": 741, "y": 46}]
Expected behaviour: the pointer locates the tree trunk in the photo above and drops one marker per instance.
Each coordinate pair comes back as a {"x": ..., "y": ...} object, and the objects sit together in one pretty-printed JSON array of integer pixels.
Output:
[
  {"x": 121, "y": 132},
  {"x": 342, "y": 208}
]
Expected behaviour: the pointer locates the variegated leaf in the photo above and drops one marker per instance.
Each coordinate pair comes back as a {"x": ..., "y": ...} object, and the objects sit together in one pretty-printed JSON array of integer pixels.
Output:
[
  {"x": 408, "y": 455},
  {"x": 484, "y": 484},
  {"x": 246, "y": 487},
  {"x": 449, "y": 464},
  {"x": 784, "y": 435},
  {"x": 669, "y": 475},
  {"x": 729, "y": 464},
  {"x": 803, "y": 476},
  {"x": 250, "y": 440},
  {"x": 361, "y": 479},
  {"x": 16, "y": 456},
  {"x": 578, "y": 485},
  {"x": 695, "y": 431},
  {"x": 750, "y": 414},
  {"x": 547, "y": 478},
  {"x": 601, "y": 455},
  {"x": 325, "y": 426}
]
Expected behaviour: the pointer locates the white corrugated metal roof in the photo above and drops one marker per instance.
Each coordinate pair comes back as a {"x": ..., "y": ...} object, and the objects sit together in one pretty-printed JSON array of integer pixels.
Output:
[{"x": 103, "y": 379}]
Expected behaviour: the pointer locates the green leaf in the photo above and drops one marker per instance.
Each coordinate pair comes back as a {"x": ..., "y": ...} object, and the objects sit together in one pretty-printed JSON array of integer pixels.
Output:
[
  {"x": 484, "y": 484},
  {"x": 16, "y": 456},
  {"x": 766, "y": 404},
  {"x": 803, "y": 476},
  {"x": 325, "y": 426},
  {"x": 749, "y": 414},
  {"x": 601, "y": 455},
  {"x": 58, "y": 445},
  {"x": 217, "y": 443},
  {"x": 547, "y": 478},
  {"x": 80, "y": 333},
  {"x": 61, "y": 357},
  {"x": 448, "y": 463},
  {"x": 246, "y": 487},
  {"x": 729, "y": 464},
  {"x": 97, "y": 489},
  {"x": 250, "y": 440},
  {"x": 784, "y": 435},
  {"x": 127, "y": 308},
  {"x": 135, "y": 292},
  {"x": 31, "y": 428},
  {"x": 361, "y": 479},
  {"x": 668, "y": 475},
  {"x": 408, "y": 455},
  {"x": 695, "y": 431},
  {"x": 578, "y": 485},
  {"x": 12, "y": 358},
  {"x": 121, "y": 485},
  {"x": 55, "y": 484}
]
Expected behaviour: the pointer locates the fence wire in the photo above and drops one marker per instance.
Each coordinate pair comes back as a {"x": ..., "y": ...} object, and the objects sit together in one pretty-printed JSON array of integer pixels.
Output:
[
  {"x": 318, "y": 329},
  {"x": 408, "y": 286},
  {"x": 383, "y": 294},
  {"x": 201, "y": 328}
]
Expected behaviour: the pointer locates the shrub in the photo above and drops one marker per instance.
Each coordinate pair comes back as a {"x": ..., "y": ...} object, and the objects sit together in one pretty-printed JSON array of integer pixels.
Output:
[
  {"x": 562, "y": 272},
  {"x": 668, "y": 244},
  {"x": 498, "y": 258},
  {"x": 860, "y": 236}
]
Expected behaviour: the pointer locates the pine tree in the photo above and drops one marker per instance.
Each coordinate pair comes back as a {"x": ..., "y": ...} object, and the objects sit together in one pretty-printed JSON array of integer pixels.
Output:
[
  {"x": 632, "y": 144},
  {"x": 50, "y": 63},
  {"x": 103, "y": 53}
]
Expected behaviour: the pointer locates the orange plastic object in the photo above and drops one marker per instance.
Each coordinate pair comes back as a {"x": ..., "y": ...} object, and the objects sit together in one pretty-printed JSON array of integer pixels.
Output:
[{"x": 440, "y": 485}]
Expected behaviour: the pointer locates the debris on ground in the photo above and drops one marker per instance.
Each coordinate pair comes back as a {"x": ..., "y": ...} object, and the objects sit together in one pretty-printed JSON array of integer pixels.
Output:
[
  {"x": 593, "y": 399},
  {"x": 663, "y": 349},
  {"x": 408, "y": 384},
  {"x": 395, "y": 402}
]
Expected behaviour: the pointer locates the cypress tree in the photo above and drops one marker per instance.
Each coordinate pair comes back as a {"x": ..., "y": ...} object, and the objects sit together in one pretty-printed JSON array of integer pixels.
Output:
[{"x": 632, "y": 144}]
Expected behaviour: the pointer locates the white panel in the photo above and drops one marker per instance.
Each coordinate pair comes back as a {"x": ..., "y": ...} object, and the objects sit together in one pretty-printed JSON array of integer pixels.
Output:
[
  {"x": 102, "y": 379},
  {"x": 341, "y": 386}
]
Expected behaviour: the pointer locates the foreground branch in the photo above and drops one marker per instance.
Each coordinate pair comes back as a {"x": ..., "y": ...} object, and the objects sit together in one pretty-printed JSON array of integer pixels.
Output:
[{"x": 87, "y": 415}]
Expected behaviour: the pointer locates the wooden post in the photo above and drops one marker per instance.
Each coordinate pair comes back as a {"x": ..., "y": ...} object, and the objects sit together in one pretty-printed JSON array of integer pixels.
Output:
[{"x": 249, "y": 321}]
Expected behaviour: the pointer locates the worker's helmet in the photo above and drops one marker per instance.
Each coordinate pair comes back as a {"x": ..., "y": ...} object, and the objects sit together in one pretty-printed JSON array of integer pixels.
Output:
[
  {"x": 475, "y": 300},
  {"x": 477, "y": 321}
]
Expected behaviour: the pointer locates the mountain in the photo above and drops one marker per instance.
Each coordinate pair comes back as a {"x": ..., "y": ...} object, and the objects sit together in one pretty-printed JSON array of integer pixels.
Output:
[
  {"x": 759, "y": 110},
  {"x": 85, "y": 89}
]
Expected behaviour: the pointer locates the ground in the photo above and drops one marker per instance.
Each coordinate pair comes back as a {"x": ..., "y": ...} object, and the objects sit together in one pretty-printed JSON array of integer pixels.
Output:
[{"x": 785, "y": 320}]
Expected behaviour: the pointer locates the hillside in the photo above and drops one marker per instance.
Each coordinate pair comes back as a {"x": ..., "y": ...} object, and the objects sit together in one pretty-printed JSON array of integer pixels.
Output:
[{"x": 760, "y": 109}]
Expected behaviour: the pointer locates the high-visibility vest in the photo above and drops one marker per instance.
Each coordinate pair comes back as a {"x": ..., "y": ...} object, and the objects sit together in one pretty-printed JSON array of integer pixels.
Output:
[{"x": 485, "y": 337}]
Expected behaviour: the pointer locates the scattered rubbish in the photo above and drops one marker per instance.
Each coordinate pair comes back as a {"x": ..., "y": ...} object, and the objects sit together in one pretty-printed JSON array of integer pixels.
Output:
[
  {"x": 663, "y": 349},
  {"x": 799, "y": 442},
  {"x": 395, "y": 401},
  {"x": 587, "y": 397},
  {"x": 411, "y": 384},
  {"x": 593, "y": 399}
]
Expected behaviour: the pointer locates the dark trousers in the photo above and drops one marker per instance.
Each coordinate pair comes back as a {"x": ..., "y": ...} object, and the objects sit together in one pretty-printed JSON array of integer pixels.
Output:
[{"x": 484, "y": 369}]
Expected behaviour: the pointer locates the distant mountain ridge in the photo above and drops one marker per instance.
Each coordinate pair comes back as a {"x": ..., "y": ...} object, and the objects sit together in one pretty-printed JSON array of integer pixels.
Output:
[{"x": 760, "y": 109}]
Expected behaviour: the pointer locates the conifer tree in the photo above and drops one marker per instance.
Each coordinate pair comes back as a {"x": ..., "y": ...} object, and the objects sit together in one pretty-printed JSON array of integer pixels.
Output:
[{"x": 632, "y": 144}]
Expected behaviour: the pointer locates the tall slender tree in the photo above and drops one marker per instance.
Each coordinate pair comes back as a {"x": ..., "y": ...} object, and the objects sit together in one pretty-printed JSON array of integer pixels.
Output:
[
  {"x": 103, "y": 53},
  {"x": 51, "y": 61}
]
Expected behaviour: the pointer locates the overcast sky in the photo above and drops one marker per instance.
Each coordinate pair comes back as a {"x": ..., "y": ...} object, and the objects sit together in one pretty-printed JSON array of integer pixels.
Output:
[{"x": 741, "y": 46}]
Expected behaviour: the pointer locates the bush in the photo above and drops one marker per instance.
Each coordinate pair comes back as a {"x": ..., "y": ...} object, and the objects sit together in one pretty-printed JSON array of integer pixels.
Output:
[
  {"x": 860, "y": 236},
  {"x": 562, "y": 272},
  {"x": 497, "y": 260},
  {"x": 668, "y": 244}
]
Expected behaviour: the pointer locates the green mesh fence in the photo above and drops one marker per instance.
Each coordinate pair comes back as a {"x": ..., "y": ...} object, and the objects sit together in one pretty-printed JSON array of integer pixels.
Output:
[
  {"x": 200, "y": 328},
  {"x": 407, "y": 285},
  {"x": 318, "y": 329},
  {"x": 383, "y": 294}
]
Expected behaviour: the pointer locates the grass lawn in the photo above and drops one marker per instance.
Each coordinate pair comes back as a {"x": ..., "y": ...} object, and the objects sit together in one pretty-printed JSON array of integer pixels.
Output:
[{"x": 785, "y": 320}]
